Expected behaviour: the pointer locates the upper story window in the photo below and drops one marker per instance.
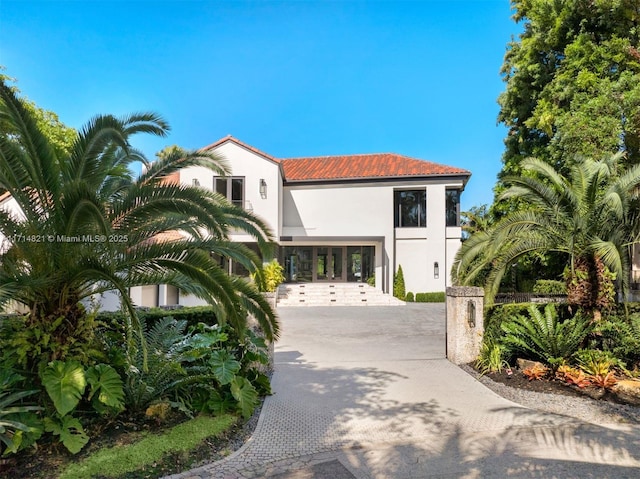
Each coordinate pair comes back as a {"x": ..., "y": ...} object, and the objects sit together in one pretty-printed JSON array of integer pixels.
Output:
[
  {"x": 410, "y": 208},
  {"x": 453, "y": 207},
  {"x": 232, "y": 188}
]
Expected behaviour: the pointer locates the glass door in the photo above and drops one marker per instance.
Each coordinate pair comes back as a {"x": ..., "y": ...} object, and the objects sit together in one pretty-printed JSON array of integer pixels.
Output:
[
  {"x": 329, "y": 263},
  {"x": 322, "y": 264},
  {"x": 336, "y": 264}
]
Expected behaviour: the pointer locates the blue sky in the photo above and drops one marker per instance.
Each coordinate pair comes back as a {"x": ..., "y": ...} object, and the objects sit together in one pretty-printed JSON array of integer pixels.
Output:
[{"x": 419, "y": 78}]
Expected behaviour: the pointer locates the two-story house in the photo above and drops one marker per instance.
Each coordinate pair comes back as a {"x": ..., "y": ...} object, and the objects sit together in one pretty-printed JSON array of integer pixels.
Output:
[{"x": 351, "y": 218}]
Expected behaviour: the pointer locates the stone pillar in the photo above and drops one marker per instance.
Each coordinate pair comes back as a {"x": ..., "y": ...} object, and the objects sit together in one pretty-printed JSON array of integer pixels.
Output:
[{"x": 465, "y": 323}]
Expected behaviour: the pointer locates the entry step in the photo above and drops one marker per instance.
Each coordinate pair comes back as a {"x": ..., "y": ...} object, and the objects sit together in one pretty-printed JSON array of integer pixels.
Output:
[{"x": 333, "y": 294}]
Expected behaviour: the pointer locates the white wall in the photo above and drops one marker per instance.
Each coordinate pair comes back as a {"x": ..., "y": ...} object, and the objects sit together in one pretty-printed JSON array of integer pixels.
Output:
[
  {"x": 338, "y": 210},
  {"x": 253, "y": 167},
  {"x": 366, "y": 210},
  {"x": 10, "y": 206},
  {"x": 190, "y": 300}
]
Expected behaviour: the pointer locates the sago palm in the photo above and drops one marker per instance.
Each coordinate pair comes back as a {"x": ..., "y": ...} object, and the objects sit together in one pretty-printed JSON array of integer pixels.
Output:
[
  {"x": 84, "y": 225},
  {"x": 587, "y": 216}
]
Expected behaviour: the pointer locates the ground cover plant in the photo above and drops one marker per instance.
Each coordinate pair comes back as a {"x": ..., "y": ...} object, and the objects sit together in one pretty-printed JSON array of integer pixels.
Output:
[
  {"x": 206, "y": 370},
  {"x": 570, "y": 349}
]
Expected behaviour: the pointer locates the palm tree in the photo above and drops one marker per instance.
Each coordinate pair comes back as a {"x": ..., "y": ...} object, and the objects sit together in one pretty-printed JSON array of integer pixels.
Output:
[
  {"x": 86, "y": 225},
  {"x": 478, "y": 218},
  {"x": 586, "y": 216}
]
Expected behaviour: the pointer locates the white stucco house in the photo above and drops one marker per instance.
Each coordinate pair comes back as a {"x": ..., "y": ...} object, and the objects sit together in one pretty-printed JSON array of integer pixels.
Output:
[{"x": 340, "y": 218}]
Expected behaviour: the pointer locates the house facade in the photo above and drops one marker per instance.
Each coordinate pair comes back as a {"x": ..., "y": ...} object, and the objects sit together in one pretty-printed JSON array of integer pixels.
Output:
[{"x": 350, "y": 219}]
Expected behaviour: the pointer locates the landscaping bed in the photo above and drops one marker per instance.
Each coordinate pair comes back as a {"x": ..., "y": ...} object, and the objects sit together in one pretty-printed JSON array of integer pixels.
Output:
[
  {"x": 50, "y": 460},
  {"x": 554, "y": 396}
]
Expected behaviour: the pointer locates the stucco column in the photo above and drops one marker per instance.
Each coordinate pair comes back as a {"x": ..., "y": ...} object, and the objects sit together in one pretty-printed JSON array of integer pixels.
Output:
[{"x": 465, "y": 323}]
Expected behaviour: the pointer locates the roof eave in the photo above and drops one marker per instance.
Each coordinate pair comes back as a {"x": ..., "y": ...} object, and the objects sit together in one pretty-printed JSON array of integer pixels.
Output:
[{"x": 376, "y": 179}]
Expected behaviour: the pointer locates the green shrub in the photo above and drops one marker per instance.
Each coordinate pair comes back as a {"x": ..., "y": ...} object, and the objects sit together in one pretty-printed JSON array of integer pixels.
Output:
[
  {"x": 545, "y": 337},
  {"x": 438, "y": 297},
  {"x": 19, "y": 425},
  {"x": 618, "y": 335},
  {"x": 409, "y": 298},
  {"x": 192, "y": 316},
  {"x": 371, "y": 280},
  {"x": 549, "y": 286},
  {"x": 271, "y": 276},
  {"x": 596, "y": 362},
  {"x": 398, "y": 284},
  {"x": 500, "y": 313}
]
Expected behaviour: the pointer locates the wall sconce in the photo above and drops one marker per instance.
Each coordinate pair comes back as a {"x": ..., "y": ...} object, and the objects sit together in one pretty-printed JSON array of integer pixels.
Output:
[
  {"x": 195, "y": 182},
  {"x": 263, "y": 188},
  {"x": 436, "y": 270},
  {"x": 471, "y": 314}
]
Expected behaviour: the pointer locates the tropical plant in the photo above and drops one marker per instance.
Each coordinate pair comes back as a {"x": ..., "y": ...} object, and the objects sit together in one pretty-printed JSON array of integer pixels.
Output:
[
  {"x": 572, "y": 376},
  {"x": 270, "y": 277},
  {"x": 478, "y": 218},
  {"x": 207, "y": 368},
  {"x": 166, "y": 377},
  {"x": 491, "y": 358},
  {"x": 618, "y": 335},
  {"x": 586, "y": 216},
  {"x": 237, "y": 367},
  {"x": 66, "y": 385},
  {"x": 597, "y": 363},
  {"x": 536, "y": 372},
  {"x": 398, "y": 284},
  {"x": 17, "y": 420},
  {"x": 83, "y": 225},
  {"x": 607, "y": 381},
  {"x": 543, "y": 336}
]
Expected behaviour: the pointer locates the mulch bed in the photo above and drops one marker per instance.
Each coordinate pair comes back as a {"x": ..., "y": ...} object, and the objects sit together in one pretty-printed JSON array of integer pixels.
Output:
[{"x": 520, "y": 381}]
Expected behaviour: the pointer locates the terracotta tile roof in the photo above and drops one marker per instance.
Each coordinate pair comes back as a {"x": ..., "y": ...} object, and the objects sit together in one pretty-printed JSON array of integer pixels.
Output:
[
  {"x": 381, "y": 165},
  {"x": 242, "y": 144},
  {"x": 166, "y": 236}
]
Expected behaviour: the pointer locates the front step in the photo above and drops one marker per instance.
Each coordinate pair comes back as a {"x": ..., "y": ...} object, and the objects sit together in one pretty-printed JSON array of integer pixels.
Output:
[{"x": 333, "y": 294}]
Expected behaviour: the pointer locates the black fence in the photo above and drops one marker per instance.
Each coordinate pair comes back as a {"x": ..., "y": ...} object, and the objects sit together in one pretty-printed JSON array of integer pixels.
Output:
[{"x": 504, "y": 298}]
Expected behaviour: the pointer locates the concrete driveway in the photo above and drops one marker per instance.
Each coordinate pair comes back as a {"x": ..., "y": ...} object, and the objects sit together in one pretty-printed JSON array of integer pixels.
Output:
[{"x": 367, "y": 393}]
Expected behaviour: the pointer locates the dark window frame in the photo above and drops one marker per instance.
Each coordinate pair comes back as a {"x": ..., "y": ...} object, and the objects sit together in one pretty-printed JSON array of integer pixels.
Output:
[
  {"x": 410, "y": 212},
  {"x": 452, "y": 218},
  {"x": 229, "y": 189}
]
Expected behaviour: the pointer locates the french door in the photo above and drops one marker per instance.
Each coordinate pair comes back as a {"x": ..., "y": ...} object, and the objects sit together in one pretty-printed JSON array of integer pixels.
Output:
[{"x": 330, "y": 263}]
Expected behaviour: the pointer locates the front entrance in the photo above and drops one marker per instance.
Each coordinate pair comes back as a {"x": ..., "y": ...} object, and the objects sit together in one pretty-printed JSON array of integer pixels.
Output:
[{"x": 328, "y": 263}]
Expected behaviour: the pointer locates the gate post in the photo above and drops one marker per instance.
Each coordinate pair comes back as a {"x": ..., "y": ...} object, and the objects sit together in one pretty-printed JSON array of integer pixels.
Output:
[{"x": 465, "y": 323}]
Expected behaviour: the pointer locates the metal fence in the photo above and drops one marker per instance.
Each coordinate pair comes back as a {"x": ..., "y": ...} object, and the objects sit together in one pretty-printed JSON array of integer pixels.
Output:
[{"x": 504, "y": 298}]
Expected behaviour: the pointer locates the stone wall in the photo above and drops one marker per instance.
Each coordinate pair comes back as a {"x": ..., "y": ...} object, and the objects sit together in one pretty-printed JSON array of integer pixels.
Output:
[{"x": 465, "y": 323}]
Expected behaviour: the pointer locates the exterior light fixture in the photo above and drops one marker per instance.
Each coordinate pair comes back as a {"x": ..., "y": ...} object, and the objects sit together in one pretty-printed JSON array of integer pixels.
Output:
[
  {"x": 436, "y": 270},
  {"x": 471, "y": 314},
  {"x": 263, "y": 188},
  {"x": 195, "y": 182}
]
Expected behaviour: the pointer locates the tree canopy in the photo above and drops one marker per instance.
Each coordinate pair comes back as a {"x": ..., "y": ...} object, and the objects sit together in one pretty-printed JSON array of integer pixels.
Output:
[
  {"x": 572, "y": 84},
  {"x": 59, "y": 135}
]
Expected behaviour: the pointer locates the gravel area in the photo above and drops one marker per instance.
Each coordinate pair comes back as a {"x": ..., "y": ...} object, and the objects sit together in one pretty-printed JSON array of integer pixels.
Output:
[{"x": 585, "y": 409}]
